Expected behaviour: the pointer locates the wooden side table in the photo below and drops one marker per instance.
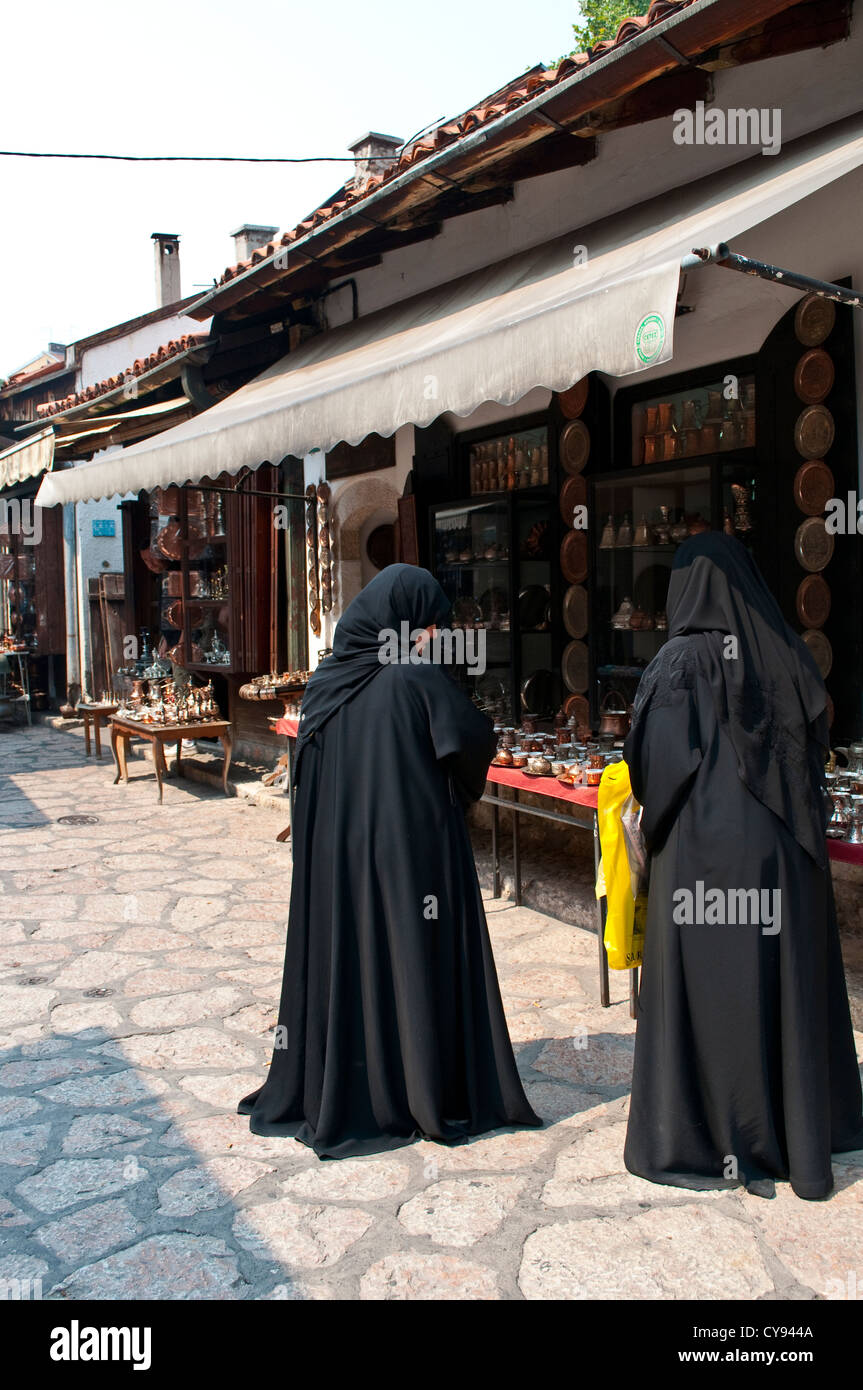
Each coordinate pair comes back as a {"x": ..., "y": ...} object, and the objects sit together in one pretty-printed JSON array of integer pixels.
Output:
[
  {"x": 96, "y": 715},
  {"x": 124, "y": 730}
]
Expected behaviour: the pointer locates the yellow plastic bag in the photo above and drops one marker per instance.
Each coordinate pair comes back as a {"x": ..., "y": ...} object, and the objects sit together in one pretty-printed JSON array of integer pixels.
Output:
[{"x": 622, "y": 869}]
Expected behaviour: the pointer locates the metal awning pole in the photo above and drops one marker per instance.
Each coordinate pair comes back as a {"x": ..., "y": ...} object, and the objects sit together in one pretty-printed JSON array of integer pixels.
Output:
[{"x": 729, "y": 260}]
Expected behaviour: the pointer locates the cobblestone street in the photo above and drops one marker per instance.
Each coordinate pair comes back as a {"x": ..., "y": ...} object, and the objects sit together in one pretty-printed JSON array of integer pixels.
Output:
[{"x": 140, "y": 965}]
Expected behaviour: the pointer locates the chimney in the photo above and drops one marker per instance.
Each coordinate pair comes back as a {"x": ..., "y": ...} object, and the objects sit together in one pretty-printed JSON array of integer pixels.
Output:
[
  {"x": 248, "y": 238},
  {"x": 166, "y": 247},
  {"x": 368, "y": 152}
]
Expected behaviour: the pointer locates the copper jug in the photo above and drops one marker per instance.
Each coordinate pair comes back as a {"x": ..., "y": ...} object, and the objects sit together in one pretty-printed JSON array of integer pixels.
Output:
[{"x": 613, "y": 716}]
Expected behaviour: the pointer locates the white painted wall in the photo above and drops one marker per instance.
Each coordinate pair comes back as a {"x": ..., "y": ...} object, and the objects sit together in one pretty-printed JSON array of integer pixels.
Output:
[
  {"x": 113, "y": 358},
  {"x": 811, "y": 89}
]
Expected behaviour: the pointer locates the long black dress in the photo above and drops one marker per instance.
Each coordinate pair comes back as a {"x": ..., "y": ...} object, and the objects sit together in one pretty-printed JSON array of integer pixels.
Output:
[
  {"x": 390, "y": 1000},
  {"x": 744, "y": 1058}
]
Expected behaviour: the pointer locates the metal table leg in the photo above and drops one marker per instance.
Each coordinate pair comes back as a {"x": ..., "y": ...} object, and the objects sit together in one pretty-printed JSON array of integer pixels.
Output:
[
  {"x": 495, "y": 850},
  {"x": 604, "y": 992},
  {"x": 516, "y": 848}
]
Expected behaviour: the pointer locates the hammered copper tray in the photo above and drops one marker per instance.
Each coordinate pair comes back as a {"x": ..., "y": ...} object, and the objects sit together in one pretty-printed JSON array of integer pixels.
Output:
[
  {"x": 813, "y": 544},
  {"x": 574, "y": 446},
  {"x": 573, "y": 401},
  {"x": 573, "y": 557},
  {"x": 575, "y": 667},
  {"x": 814, "y": 485},
  {"x": 814, "y": 320},
  {"x": 575, "y": 610},
  {"x": 813, "y": 601},
  {"x": 814, "y": 376},
  {"x": 814, "y": 432},
  {"x": 573, "y": 494},
  {"x": 820, "y": 647}
]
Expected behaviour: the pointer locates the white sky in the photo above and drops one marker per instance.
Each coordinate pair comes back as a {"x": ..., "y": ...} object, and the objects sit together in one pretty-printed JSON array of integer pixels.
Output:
[{"x": 211, "y": 77}]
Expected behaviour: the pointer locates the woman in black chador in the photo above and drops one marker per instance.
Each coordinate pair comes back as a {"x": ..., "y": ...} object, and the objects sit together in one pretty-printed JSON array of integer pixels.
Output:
[
  {"x": 390, "y": 1000},
  {"x": 744, "y": 1054}
]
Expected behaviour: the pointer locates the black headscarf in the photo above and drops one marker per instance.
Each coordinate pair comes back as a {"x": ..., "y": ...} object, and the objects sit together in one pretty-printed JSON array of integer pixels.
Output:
[
  {"x": 769, "y": 695},
  {"x": 400, "y": 593}
]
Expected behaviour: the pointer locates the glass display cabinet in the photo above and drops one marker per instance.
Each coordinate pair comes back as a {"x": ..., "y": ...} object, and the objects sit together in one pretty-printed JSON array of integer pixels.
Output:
[
  {"x": 189, "y": 553},
  {"x": 18, "y": 609},
  {"x": 687, "y": 463},
  {"x": 494, "y": 561}
]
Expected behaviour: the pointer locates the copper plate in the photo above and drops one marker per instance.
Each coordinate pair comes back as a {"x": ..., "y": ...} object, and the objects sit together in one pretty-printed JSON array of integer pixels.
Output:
[
  {"x": 574, "y": 446},
  {"x": 578, "y": 706},
  {"x": 573, "y": 557},
  {"x": 575, "y": 667},
  {"x": 573, "y": 401},
  {"x": 814, "y": 376},
  {"x": 830, "y": 712},
  {"x": 573, "y": 494},
  {"x": 813, "y": 544},
  {"x": 575, "y": 618},
  {"x": 813, "y": 601},
  {"x": 814, "y": 320},
  {"x": 814, "y": 485},
  {"x": 820, "y": 647},
  {"x": 814, "y": 431}
]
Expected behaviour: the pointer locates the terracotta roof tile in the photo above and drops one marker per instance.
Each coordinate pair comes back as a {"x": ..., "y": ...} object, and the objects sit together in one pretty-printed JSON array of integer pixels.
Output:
[
  {"x": 161, "y": 354},
  {"x": 509, "y": 98}
]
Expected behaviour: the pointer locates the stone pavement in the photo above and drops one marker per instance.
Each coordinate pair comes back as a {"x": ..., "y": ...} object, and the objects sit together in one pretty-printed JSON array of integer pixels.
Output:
[{"x": 140, "y": 963}]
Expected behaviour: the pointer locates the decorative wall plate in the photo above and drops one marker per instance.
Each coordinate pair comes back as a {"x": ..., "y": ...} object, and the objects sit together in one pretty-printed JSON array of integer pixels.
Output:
[
  {"x": 820, "y": 647},
  {"x": 814, "y": 376},
  {"x": 154, "y": 561},
  {"x": 813, "y": 544},
  {"x": 814, "y": 432},
  {"x": 573, "y": 401},
  {"x": 578, "y": 707},
  {"x": 575, "y": 610},
  {"x": 540, "y": 692},
  {"x": 574, "y": 446},
  {"x": 814, "y": 485},
  {"x": 573, "y": 557},
  {"x": 575, "y": 667},
  {"x": 532, "y": 606},
  {"x": 573, "y": 494},
  {"x": 814, "y": 320},
  {"x": 813, "y": 601}
]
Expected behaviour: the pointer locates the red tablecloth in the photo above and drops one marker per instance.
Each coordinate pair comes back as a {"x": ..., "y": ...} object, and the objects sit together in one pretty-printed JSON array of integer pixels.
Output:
[
  {"x": 848, "y": 854},
  {"x": 508, "y": 777},
  {"x": 544, "y": 786}
]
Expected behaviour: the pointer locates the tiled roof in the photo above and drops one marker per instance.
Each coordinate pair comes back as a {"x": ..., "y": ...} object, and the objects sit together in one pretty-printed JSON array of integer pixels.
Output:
[
  {"x": 30, "y": 374},
  {"x": 138, "y": 368},
  {"x": 509, "y": 98}
]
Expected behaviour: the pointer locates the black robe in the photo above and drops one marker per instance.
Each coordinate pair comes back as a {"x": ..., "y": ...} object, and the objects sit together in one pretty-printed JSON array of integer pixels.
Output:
[
  {"x": 390, "y": 999},
  {"x": 745, "y": 1067}
]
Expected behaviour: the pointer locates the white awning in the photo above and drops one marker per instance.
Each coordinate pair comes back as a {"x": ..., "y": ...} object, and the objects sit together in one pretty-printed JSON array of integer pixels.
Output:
[
  {"x": 27, "y": 459},
  {"x": 542, "y": 318}
]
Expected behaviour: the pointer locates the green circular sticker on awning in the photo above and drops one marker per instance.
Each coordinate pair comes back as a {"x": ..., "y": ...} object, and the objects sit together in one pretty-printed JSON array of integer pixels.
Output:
[{"x": 650, "y": 337}]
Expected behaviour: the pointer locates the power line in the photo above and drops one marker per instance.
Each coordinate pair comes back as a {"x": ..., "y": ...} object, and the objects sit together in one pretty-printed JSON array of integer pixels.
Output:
[{"x": 196, "y": 158}]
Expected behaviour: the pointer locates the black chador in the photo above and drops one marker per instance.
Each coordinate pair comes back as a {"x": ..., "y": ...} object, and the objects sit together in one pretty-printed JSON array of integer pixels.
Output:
[
  {"x": 744, "y": 1057},
  {"x": 390, "y": 1007}
]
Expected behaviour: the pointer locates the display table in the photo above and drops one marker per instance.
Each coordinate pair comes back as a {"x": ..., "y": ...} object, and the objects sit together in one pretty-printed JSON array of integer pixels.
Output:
[
  {"x": 289, "y": 725},
  {"x": 583, "y": 802},
  {"x": 124, "y": 730},
  {"x": 6, "y": 659},
  {"x": 845, "y": 853},
  {"x": 96, "y": 716}
]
